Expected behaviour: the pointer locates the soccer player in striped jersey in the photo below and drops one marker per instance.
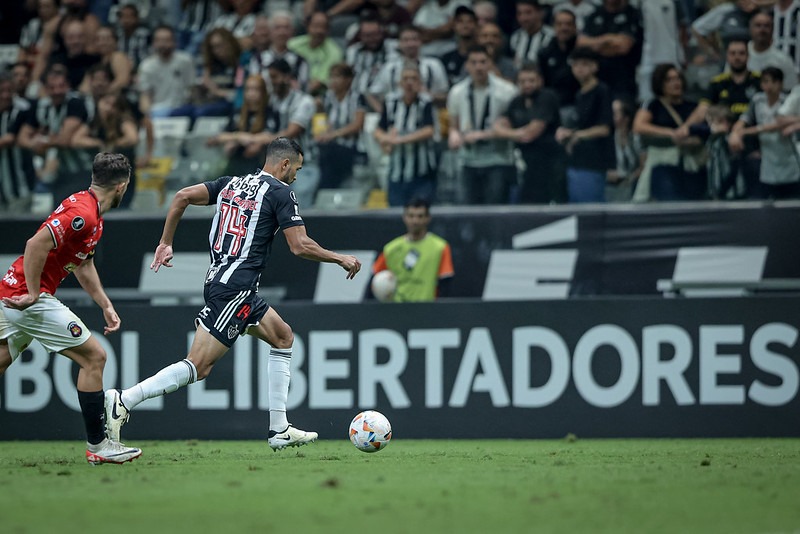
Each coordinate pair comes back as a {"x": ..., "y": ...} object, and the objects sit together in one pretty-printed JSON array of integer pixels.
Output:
[{"x": 249, "y": 212}]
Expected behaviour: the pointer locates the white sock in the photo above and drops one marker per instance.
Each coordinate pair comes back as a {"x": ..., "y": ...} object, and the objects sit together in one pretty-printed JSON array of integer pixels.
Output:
[
  {"x": 167, "y": 380},
  {"x": 279, "y": 375}
]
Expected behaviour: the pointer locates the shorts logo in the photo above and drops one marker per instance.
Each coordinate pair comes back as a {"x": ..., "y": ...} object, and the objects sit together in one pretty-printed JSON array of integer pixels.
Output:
[
  {"x": 78, "y": 223},
  {"x": 233, "y": 331},
  {"x": 74, "y": 329}
]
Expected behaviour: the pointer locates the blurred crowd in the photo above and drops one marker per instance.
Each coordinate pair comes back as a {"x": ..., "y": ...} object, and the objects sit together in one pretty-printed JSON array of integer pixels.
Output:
[{"x": 456, "y": 101}]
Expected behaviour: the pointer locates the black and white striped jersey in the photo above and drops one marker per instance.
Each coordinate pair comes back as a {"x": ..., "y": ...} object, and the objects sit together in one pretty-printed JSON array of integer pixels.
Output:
[
  {"x": 250, "y": 211},
  {"x": 16, "y": 165}
]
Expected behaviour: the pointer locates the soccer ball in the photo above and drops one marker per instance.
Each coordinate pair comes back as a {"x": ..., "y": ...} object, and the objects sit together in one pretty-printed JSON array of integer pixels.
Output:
[
  {"x": 370, "y": 431},
  {"x": 383, "y": 285}
]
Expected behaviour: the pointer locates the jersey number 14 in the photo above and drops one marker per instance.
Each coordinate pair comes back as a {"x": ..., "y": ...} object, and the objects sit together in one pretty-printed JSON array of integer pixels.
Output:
[{"x": 232, "y": 222}]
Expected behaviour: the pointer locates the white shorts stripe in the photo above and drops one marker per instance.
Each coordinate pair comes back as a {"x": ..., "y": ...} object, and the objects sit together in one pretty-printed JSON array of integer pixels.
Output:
[{"x": 228, "y": 311}]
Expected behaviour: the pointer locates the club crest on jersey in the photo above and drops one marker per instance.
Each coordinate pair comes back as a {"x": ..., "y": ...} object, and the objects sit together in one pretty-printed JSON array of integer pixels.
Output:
[
  {"x": 75, "y": 329},
  {"x": 233, "y": 331},
  {"x": 78, "y": 223}
]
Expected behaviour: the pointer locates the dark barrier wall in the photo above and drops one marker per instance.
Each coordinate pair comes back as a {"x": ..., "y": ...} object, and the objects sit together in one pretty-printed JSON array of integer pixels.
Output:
[
  {"x": 597, "y": 368},
  {"x": 621, "y": 250}
]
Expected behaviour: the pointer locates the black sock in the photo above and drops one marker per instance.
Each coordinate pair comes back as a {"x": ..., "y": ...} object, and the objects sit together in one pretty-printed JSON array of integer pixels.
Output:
[{"x": 94, "y": 416}]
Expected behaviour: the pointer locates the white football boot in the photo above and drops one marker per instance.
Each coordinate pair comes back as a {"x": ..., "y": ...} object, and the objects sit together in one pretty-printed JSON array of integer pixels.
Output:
[
  {"x": 291, "y": 437},
  {"x": 109, "y": 451}
]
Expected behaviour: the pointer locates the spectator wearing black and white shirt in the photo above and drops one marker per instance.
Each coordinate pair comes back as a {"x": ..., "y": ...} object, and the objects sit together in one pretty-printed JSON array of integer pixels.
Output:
[
  {"x": 281, "y": 30},
  {"x": 532, "y": 35},
  {"x": 761, "y": 51},
  {"x": 465, "y": 26},
  {"x": 17, "y": 176},
  {"x": 786, "y": 32},
  {"x": 369, "y": 54},
  {"x": 405, "y": 133},
  {"x": 431, "y": 70},
  {"x": 133, "y": 38},
  {"x": 344, "y": 108},
  {"x": 554, "y": 64}
]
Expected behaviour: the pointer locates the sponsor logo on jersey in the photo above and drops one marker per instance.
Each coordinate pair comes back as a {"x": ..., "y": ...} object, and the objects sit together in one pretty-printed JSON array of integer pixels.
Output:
[
  {"x": 293, "y": 197},
  {"x": 55, "y": 222},
  {"x": 233, "y": 331},
  {"x": 78, "y": 223},
  {"x": 75, "y": 329},
  {"x": 296, "y": 218},
  {"x": 70, "y": 267}
]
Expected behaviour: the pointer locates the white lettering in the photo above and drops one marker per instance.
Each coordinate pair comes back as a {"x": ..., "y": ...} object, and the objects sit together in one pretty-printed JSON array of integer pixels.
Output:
[
  {"x": 525, "y": 338},
  {"x": 774, "y": 363},
  {"x": 33, "y": 371},
  {"x": 625, "y": 346},
  {"x": 320, "y": 369},
  {"x": 714, "y": 363},
  {"x": 371, "y": 373},
  {"x": 671, "y": 371},
  {"x": 434, "y": 341},
  {"x": 479, "y": 351}
]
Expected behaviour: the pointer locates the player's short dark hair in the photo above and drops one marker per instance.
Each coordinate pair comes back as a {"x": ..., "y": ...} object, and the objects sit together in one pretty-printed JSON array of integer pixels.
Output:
[
  {"x": 418, "y": 202},
  {"x": 283, "y": 148},
  {"x": 773, "y": 72},
  {"x": 109, "y": 169}
]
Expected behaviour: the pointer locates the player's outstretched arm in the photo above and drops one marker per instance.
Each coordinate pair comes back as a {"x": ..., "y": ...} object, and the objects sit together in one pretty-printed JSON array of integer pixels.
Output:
[
  {"x": 87, "y": 276},
  {"x": 302, "y": 245},
  {"x": 196, "y": 195}
]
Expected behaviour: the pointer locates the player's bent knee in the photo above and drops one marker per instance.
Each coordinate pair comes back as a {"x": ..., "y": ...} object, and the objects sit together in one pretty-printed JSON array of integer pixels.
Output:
[{"x": 285, "y": 337}]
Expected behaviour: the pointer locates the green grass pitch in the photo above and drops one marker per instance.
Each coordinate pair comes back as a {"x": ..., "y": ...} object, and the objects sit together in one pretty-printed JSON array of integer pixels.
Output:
[{"x": 564, "y": 486}]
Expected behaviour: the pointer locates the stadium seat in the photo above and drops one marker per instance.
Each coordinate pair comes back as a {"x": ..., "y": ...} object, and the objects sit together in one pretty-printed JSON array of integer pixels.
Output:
[
  {"x": 339, "y": 199},
  {"x": 209, "y": 126},
  {"x": 169, "y": 133}
]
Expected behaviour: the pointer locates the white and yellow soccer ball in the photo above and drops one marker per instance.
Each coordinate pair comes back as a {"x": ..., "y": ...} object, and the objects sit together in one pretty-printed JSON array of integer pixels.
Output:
[
  {"x": 383, "y": 285},
  {"x": 370, "y": 431}
]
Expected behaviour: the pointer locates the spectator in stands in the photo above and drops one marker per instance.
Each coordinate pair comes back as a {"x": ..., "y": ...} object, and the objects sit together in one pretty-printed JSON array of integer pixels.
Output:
[
  {"x": 730, "y": 20},
  {"x": 434, "y": 77},
  {"x": 580, "y": 8},
  {"x": 587, "y": 137},
  {"x": 198, "y": 18},
  {"x": 614, "y": 32},
  {"x": 240, "y": 21},
  {"x": 21, "y": 77},
  {"x": 531, "y": 121},
  {"x": 98, "y": 84},
  {"x": 405, "y": 133},
  {"x": 213, "y": 97},
  {"x": 17, "y": 178},
  {"x": 532, "y": 35},
  {"x": 485, "y": 11},
  {"x": 780, "y": 167},
  {"x": 244, "y": 150},
  {"x": 554, "y": 61},
  {"x": 342, "y": 13},
  {"x": 48, "y": 130},
  {"x": 393, "y": 17},
  {"x": 664, "y": 30},
  {"x": 119, "y": 64},
  {"x": 672, "y": 170},
  {"x": 344, "y": 110},
  {"x": 251, "y": 59},
  {"x": 30, "y": 40},
  {"x": 465, "y": 26},
  {"x": 420, "y": 260},
  {"x": 295, "y": 110},
  {"x": 629, "y": 157},
  {"x": 473, "y": 106},
  {"x": 724, "y": 178},
  {"x": 434, "y": 18},
  {"x": 113, "y": 129},
  {"x": 74, "y": 56},
  {"x": 369, "y": 54},
  {"x": 786, "y": 14},
  {"x": 490, "y": 36},
  {"x": 761, "y": 52},
  {"x": 319, "y": 50},
  {"x": 133, "y": 38},
  {"x": 166, "y": 77},
  {"x": 281, "y": 30}
]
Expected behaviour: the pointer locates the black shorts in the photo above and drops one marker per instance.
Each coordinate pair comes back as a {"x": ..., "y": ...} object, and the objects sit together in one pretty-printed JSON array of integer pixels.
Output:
[{"x": 228, "y": 313}]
